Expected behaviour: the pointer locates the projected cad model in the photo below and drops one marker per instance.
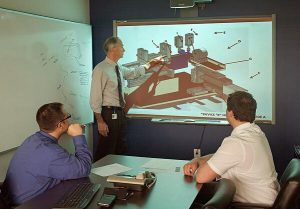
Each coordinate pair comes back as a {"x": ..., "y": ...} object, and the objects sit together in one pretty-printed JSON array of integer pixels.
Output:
[
  {"x": 205, "y": 61},
  {"x": 168, "y": 87}
]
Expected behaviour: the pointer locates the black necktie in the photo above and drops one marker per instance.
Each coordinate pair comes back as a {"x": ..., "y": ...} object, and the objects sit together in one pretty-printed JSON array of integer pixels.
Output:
[{"x": 122, "y": 104}]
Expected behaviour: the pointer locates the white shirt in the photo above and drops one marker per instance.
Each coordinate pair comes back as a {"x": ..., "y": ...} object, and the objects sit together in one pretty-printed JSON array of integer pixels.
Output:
[
  {"x": 245, "y": 158},
  {"x": 104, "y": 87}
]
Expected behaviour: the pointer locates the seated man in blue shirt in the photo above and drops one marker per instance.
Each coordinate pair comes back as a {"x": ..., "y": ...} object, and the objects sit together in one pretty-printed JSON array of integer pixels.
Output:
[{"x": 40, "y": 162}]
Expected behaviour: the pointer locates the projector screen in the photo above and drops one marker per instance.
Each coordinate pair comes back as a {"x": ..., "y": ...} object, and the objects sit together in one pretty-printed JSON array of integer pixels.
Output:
[{"x": 205, "y": 61}]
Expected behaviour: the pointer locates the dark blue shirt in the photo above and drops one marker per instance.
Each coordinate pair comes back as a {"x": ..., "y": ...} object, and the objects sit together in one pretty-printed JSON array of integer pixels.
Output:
[{"x": 40, "y": 163}]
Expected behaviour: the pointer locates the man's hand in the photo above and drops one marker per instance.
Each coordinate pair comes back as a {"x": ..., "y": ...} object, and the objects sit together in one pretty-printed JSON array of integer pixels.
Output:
[
  {"x": 103, "y": 128},
  {"x": 75, "y": 130},
  {"x": 190, "y": 168},
  {"x": 156, "y": 61}
]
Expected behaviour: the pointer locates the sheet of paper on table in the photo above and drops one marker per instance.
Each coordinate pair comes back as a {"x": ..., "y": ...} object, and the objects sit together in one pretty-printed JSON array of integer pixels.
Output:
[
  {"x": 111, "y": 169},
  {"x": 161, "y": 165}
]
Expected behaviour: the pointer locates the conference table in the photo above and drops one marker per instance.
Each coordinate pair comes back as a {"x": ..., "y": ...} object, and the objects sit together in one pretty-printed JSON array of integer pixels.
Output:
[{"x": 172, "y": 189}]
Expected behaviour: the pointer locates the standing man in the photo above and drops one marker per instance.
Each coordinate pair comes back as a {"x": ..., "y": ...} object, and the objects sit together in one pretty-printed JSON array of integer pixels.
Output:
[
  {"x": 244, "y": 157},
  {"x": 40, "y": 162},
  {"x": 107, "y": 97}
]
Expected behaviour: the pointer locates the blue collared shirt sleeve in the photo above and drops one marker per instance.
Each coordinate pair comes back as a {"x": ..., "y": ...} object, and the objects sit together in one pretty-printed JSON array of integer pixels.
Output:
[{"x": 67, "y": 166}]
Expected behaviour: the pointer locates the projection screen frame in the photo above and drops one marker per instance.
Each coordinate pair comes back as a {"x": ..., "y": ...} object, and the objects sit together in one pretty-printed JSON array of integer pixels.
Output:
[{"x": 180, "y": 21}]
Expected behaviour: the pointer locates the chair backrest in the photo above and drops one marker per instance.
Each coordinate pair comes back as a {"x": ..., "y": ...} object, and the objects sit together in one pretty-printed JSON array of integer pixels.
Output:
[
  {"x": 215, "y": 195},
  {"x": 289, "y": 193},
  {"x": 3, "y": 202}
]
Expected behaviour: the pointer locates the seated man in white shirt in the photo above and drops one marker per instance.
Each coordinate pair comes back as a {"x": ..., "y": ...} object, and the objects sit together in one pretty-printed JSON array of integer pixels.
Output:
[{"x": 244, "y": 157}]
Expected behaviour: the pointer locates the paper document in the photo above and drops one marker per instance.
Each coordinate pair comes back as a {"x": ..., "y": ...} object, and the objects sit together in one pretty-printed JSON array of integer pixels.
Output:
[
  {"x": 110, "y": 169},
  {"x": 160, "y": 165}
]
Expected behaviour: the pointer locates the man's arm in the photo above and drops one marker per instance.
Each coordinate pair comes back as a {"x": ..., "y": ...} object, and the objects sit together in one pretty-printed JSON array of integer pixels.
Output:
[
  {"x": 191, "y": 167},
  {"x": 97, "y": 87},
  {"x": 202, "y": 160},
  {"x": 154, "y": 62},
  {"x": 65, "y": 166},
  {"x": 228, "y": 155},
  {"x": 129, "y": 73},
  {"x": 102, "y": 126},
  {"x": 205, "y": 174}
]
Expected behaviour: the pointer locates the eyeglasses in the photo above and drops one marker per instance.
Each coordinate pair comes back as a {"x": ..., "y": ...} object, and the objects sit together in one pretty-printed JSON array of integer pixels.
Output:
[{"x": 66, "y": 118}]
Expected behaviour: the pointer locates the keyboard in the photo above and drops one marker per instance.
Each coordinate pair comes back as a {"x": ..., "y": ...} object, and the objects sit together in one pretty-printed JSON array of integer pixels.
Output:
[{"x": 79, "y": 197}]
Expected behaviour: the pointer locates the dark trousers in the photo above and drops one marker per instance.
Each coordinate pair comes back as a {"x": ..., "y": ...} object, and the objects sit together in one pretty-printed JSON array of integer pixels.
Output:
[{"x": 115, "y": 141}]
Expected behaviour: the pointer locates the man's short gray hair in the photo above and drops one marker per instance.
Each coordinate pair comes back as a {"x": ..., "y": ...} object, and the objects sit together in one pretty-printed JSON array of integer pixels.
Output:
[{"x": 110, "y": 42}]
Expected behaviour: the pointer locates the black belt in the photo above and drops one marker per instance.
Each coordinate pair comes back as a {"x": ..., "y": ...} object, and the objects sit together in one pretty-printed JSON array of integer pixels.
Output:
[{"x": 112, "y": 108}]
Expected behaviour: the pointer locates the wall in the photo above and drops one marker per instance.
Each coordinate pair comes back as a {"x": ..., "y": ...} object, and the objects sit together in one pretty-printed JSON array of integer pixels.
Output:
[
  {"x": 72, "y": 10},
  {"x": 177, "y": 141}
]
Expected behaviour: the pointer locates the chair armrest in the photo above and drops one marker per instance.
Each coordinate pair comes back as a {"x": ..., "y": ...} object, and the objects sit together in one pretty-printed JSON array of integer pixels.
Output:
[{"x": 216, "y": 195}]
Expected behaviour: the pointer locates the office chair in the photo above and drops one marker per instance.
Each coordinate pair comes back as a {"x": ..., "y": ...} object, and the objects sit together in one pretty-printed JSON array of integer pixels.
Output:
[
  {"x": 289, "y": 194},
  {"x": 3, "y": 201},
  {"x": 215, "y": 195}
]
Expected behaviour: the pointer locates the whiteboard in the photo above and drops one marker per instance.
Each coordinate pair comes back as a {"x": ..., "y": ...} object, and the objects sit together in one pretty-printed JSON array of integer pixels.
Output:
[{"x": 42, "y": 60}]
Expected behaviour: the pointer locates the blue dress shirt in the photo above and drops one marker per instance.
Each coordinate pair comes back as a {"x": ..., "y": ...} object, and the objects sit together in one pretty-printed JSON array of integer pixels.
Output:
[{"x": 40, "y": 163}]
